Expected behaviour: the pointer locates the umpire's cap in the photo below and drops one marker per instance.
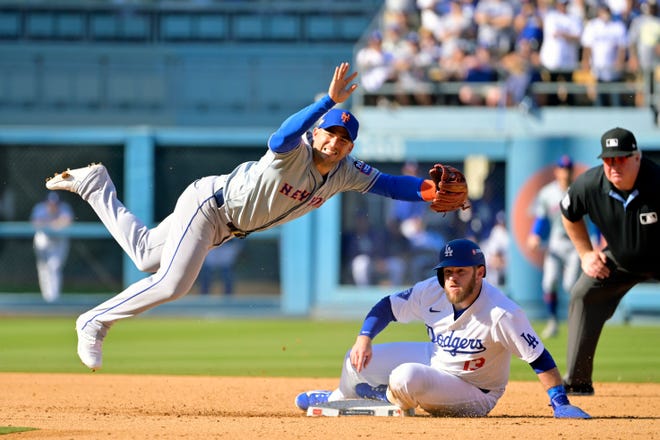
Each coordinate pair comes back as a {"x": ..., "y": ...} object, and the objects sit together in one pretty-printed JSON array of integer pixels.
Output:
[
  {"x": 341, "y": 118},
  {"x": 460, "y": 253},
  {"x": 617, "y": 142}
]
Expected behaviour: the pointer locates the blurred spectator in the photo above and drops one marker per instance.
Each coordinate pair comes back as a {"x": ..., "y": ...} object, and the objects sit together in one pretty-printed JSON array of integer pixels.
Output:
[
  {"x": 561, "y": 261},
  {"x": 220, "y": 261},
  {"x": 50, "y": 218},
  {"x": 494, "y": 19},
  {"x": 496, "y": 249},
  {"x": 405, "y": 10},
  {"x": 402, "y": 210},
  {"x": 604, "y": 44},
  {"x": 374, "y": 64},
  {"x": 644, "y": 45},
  {"x": 480, "y": 69},
  {"x": 424, "y": 242},
  {"x": 559, "y": 52},
  {"x": 394, "y": 31},
  {"x": 482, "y": 215},
  {"x": 376, "y": 256},
  {"x": 430, "y": 13},
  {"x": 451, "y": 68},
  {"x": 578, "y": 8},
  {"x": 411, "y": 65},
  {"x": 454, "y": 29},
  {"x": 620, "y": 9},
  {"x": 521, "y": 71},
  {"x": 528, "y": 24}
]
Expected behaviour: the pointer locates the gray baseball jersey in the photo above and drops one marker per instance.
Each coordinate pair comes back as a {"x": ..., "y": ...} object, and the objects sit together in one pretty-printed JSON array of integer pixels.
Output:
[
  {"x": 281, "y": 187},
  {"x": 561, "y": 259},
  {"x": 255, "y": 196}
]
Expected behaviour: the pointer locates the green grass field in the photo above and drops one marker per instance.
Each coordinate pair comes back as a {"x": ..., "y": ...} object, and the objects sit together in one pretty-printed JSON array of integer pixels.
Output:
[{"x": 272, "y": 347}]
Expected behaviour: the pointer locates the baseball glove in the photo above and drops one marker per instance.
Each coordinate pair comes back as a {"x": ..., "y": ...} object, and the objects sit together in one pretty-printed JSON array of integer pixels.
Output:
[{"x": 451, "y": 190}]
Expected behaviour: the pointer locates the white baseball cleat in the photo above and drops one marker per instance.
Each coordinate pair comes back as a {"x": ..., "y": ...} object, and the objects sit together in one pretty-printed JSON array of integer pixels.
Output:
[
  {"x": 75, "y": 180},
  {"x": 90, "y": 342}
]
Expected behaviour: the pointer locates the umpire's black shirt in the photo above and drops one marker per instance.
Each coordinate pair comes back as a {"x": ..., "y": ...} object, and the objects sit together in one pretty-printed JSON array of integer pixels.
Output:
[{"x": 630, "y": 221}]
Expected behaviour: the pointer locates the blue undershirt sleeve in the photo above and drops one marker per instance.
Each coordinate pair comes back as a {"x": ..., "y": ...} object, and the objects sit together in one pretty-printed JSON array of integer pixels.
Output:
[
  {"x": 287, "y": 136},
  {"x": 543, "y": 363},
  {"x": 398, "y": 187},
  {"x": 541, "y": 227},
  {"x": 378, "y": 318}
]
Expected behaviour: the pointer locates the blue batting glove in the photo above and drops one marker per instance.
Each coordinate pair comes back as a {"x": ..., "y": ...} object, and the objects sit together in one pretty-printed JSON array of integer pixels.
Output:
[
  {"x": 570, "y": 412},
  {"x": 562, "y": 407}
]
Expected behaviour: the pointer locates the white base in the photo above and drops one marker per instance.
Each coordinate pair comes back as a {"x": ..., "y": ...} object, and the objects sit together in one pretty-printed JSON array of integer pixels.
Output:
[{"x": 358, "y": 407}]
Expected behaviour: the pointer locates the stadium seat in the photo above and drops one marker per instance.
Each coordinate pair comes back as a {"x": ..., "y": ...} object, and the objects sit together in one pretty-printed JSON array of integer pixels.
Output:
[
  {"x": 10, "y": 24},
  {"x": 40, "y": 25},
  {"x": 176, "y": 27},
  {"x": 212, "y": 27}
]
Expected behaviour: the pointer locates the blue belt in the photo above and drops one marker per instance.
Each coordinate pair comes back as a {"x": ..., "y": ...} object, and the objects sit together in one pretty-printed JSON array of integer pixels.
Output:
[{"x": 220, "y": 201}]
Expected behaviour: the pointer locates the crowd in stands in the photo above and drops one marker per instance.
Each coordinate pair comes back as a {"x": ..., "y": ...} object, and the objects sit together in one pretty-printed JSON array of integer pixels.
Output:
[{"x": 493, "y": 51}]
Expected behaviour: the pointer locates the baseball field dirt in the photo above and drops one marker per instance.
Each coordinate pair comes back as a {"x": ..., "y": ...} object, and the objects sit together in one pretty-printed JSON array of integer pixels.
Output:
[{"x": 104, "y": 406}]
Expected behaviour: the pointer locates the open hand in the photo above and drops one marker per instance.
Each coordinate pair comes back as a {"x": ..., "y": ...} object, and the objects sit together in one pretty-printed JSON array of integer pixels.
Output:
[{"x": 340, "y": 87}]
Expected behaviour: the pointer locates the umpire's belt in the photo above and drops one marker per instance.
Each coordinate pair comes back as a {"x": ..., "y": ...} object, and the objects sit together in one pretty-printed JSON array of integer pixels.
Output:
[{"x": 220, "y": 200}]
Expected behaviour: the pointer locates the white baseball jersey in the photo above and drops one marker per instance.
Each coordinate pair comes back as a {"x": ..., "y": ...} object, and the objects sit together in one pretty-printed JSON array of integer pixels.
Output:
[
  {"x": 464, "y": 369},
  {"x": 558, "y": 53},
  {"x": 604, "y": 38},
  {"x": 477, "y": 346}
]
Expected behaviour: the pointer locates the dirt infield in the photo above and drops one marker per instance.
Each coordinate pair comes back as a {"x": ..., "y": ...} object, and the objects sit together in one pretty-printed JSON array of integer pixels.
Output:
[{"x": 103, "y": 406}]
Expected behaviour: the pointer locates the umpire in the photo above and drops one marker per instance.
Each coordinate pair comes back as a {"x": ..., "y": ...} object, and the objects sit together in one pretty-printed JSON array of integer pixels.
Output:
[{"x": 622, "y": 199}]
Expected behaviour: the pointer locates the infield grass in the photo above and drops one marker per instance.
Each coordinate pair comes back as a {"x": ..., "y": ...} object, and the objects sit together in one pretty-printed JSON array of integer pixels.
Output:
[{"x": 273, "y": 347}]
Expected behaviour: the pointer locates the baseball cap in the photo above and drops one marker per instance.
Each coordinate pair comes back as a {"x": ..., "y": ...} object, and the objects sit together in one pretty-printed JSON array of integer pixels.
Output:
[
  {"x": 53, "y": 197},
  {"x": 565, "y": 162},
  {"x": 341, "y": 118},
  {"x": 617, "y": 142}
]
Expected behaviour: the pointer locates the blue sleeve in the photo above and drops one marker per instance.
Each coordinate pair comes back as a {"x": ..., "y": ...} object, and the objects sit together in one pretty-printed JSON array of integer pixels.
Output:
[
  {"x": 398, "y": 187},
  {"x": 543, "y": 363},
  {"x": 378, "y": 317},
  {"x": 541, "y": 227},
  {"x": 287, "y": 137}
]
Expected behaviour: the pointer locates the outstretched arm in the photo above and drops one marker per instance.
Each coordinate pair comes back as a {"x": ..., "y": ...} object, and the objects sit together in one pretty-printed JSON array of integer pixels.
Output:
[
  {"x": 287, "y": 136},
  {"x": 410, "y": 188}
]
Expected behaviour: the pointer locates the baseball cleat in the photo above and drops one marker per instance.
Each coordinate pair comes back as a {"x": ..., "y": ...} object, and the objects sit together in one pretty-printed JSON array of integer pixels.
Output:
[
  {"x": 90, "y": 342},
  {"x": 312, "y": 398},
  {"x": 74, "y": 180},
  {"x": 366, "y": 391}
]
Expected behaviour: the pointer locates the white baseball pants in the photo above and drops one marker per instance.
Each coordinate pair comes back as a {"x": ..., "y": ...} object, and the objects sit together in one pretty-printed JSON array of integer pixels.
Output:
[{"x": 405, "y": 368}]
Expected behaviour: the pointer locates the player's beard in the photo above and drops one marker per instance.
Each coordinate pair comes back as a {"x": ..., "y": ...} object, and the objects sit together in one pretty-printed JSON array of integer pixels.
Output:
[{"x": 460, "y": 294}]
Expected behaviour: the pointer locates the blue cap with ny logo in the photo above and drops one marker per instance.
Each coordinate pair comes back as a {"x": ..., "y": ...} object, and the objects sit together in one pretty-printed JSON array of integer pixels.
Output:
[{"x": 340, "y": 118}]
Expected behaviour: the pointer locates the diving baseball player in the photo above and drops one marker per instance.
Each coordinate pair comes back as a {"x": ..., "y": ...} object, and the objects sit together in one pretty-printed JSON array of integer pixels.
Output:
[
  {"x": 473, "y": 330},
  {"x": 561, "y": 260},
  {"x": 299, "y": 171}
]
